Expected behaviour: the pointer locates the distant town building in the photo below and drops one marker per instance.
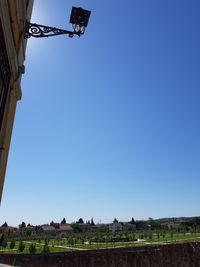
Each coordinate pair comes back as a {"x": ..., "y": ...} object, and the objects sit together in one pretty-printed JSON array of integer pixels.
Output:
[
  {"x": 129, "y": 227},
  {"x": 171, "y": 225},
  {"x": 51, "y": 230},
  {"x": 46, "y": 230},
  {"x": 115, "y": 226},
  {"x": 86, "y": 227},
  {"x": 8, "y": 230}
]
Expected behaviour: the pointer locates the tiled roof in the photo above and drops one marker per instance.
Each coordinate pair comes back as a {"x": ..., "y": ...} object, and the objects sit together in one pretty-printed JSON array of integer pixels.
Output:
[
  {"x": 65, "y": 227},
  {"x": 48, "y": 228}
]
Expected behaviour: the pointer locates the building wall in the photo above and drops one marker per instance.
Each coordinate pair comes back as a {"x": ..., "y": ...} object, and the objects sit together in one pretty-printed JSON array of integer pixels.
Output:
[
  {"x": 176, "y": 255},
  {"x": 13, "y": 16},
  {"x": 115, "y": 227}
]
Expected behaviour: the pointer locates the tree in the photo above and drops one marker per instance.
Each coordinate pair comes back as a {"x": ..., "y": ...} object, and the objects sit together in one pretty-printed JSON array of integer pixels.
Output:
[
  {"x": 163, "y": 235},
  {"x": 21, "y": 246},
  {"x": 4, "y": 225},
  {"x": 22, "y": 225},
  {"x": 45, "y": 249},
  {"x": 171, "y": 234},
  {"x": 2, "y": 238},
  {"x": 80, "y": 220},
  {"x": 150, "y": 236},
  {"x": 76, "y": 228},
  {"x": 63, "y": 221},
  {"x": 155, "y": 225},
  {"x": 158, "y": 235},
  {"x": 4, "y": 243},
  {"x": 133, "y": 237},
  {"x": 12, "y": 244},
  {"x": 28, "y": 232},
  {"x": 52, "y": 223},
  {"x": 32, "y": 248},
  {"x": 132, "y": 221},
  {"x": 71, "y": 241},
  {"x": 92, "y": 222}
]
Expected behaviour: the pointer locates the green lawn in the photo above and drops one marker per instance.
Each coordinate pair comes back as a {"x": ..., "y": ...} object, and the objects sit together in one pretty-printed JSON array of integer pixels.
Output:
[
  {"x": 39, "y": 248},
  {"x": 74, "y": 243}
]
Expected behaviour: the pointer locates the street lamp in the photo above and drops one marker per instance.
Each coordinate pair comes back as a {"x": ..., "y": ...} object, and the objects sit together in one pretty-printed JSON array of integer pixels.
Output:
[{"x": 79, "y": 19}]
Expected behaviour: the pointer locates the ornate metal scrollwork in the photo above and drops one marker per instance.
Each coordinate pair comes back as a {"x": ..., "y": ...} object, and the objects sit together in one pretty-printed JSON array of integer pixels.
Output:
[{"x": 40, "y": 31}]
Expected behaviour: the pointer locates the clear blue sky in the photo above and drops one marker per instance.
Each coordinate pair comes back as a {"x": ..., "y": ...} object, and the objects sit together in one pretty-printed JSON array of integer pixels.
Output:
[{"x": 108, "y": 125}]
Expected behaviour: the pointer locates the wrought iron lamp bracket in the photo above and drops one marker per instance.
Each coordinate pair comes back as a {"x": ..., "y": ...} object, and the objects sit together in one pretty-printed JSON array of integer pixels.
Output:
[{"x": 40, "y": 31}]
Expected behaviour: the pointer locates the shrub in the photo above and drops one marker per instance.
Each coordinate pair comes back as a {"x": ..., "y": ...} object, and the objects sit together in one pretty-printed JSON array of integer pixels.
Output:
[
  {"x": 45, "y": 249},
  {"x": 12, "y": 244},
  {"x": 2, "y": 238},
  {"x": 4, "y": 244},
  {"x": 21, "y": 246},
  {"x": 32, "y": 248}
]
